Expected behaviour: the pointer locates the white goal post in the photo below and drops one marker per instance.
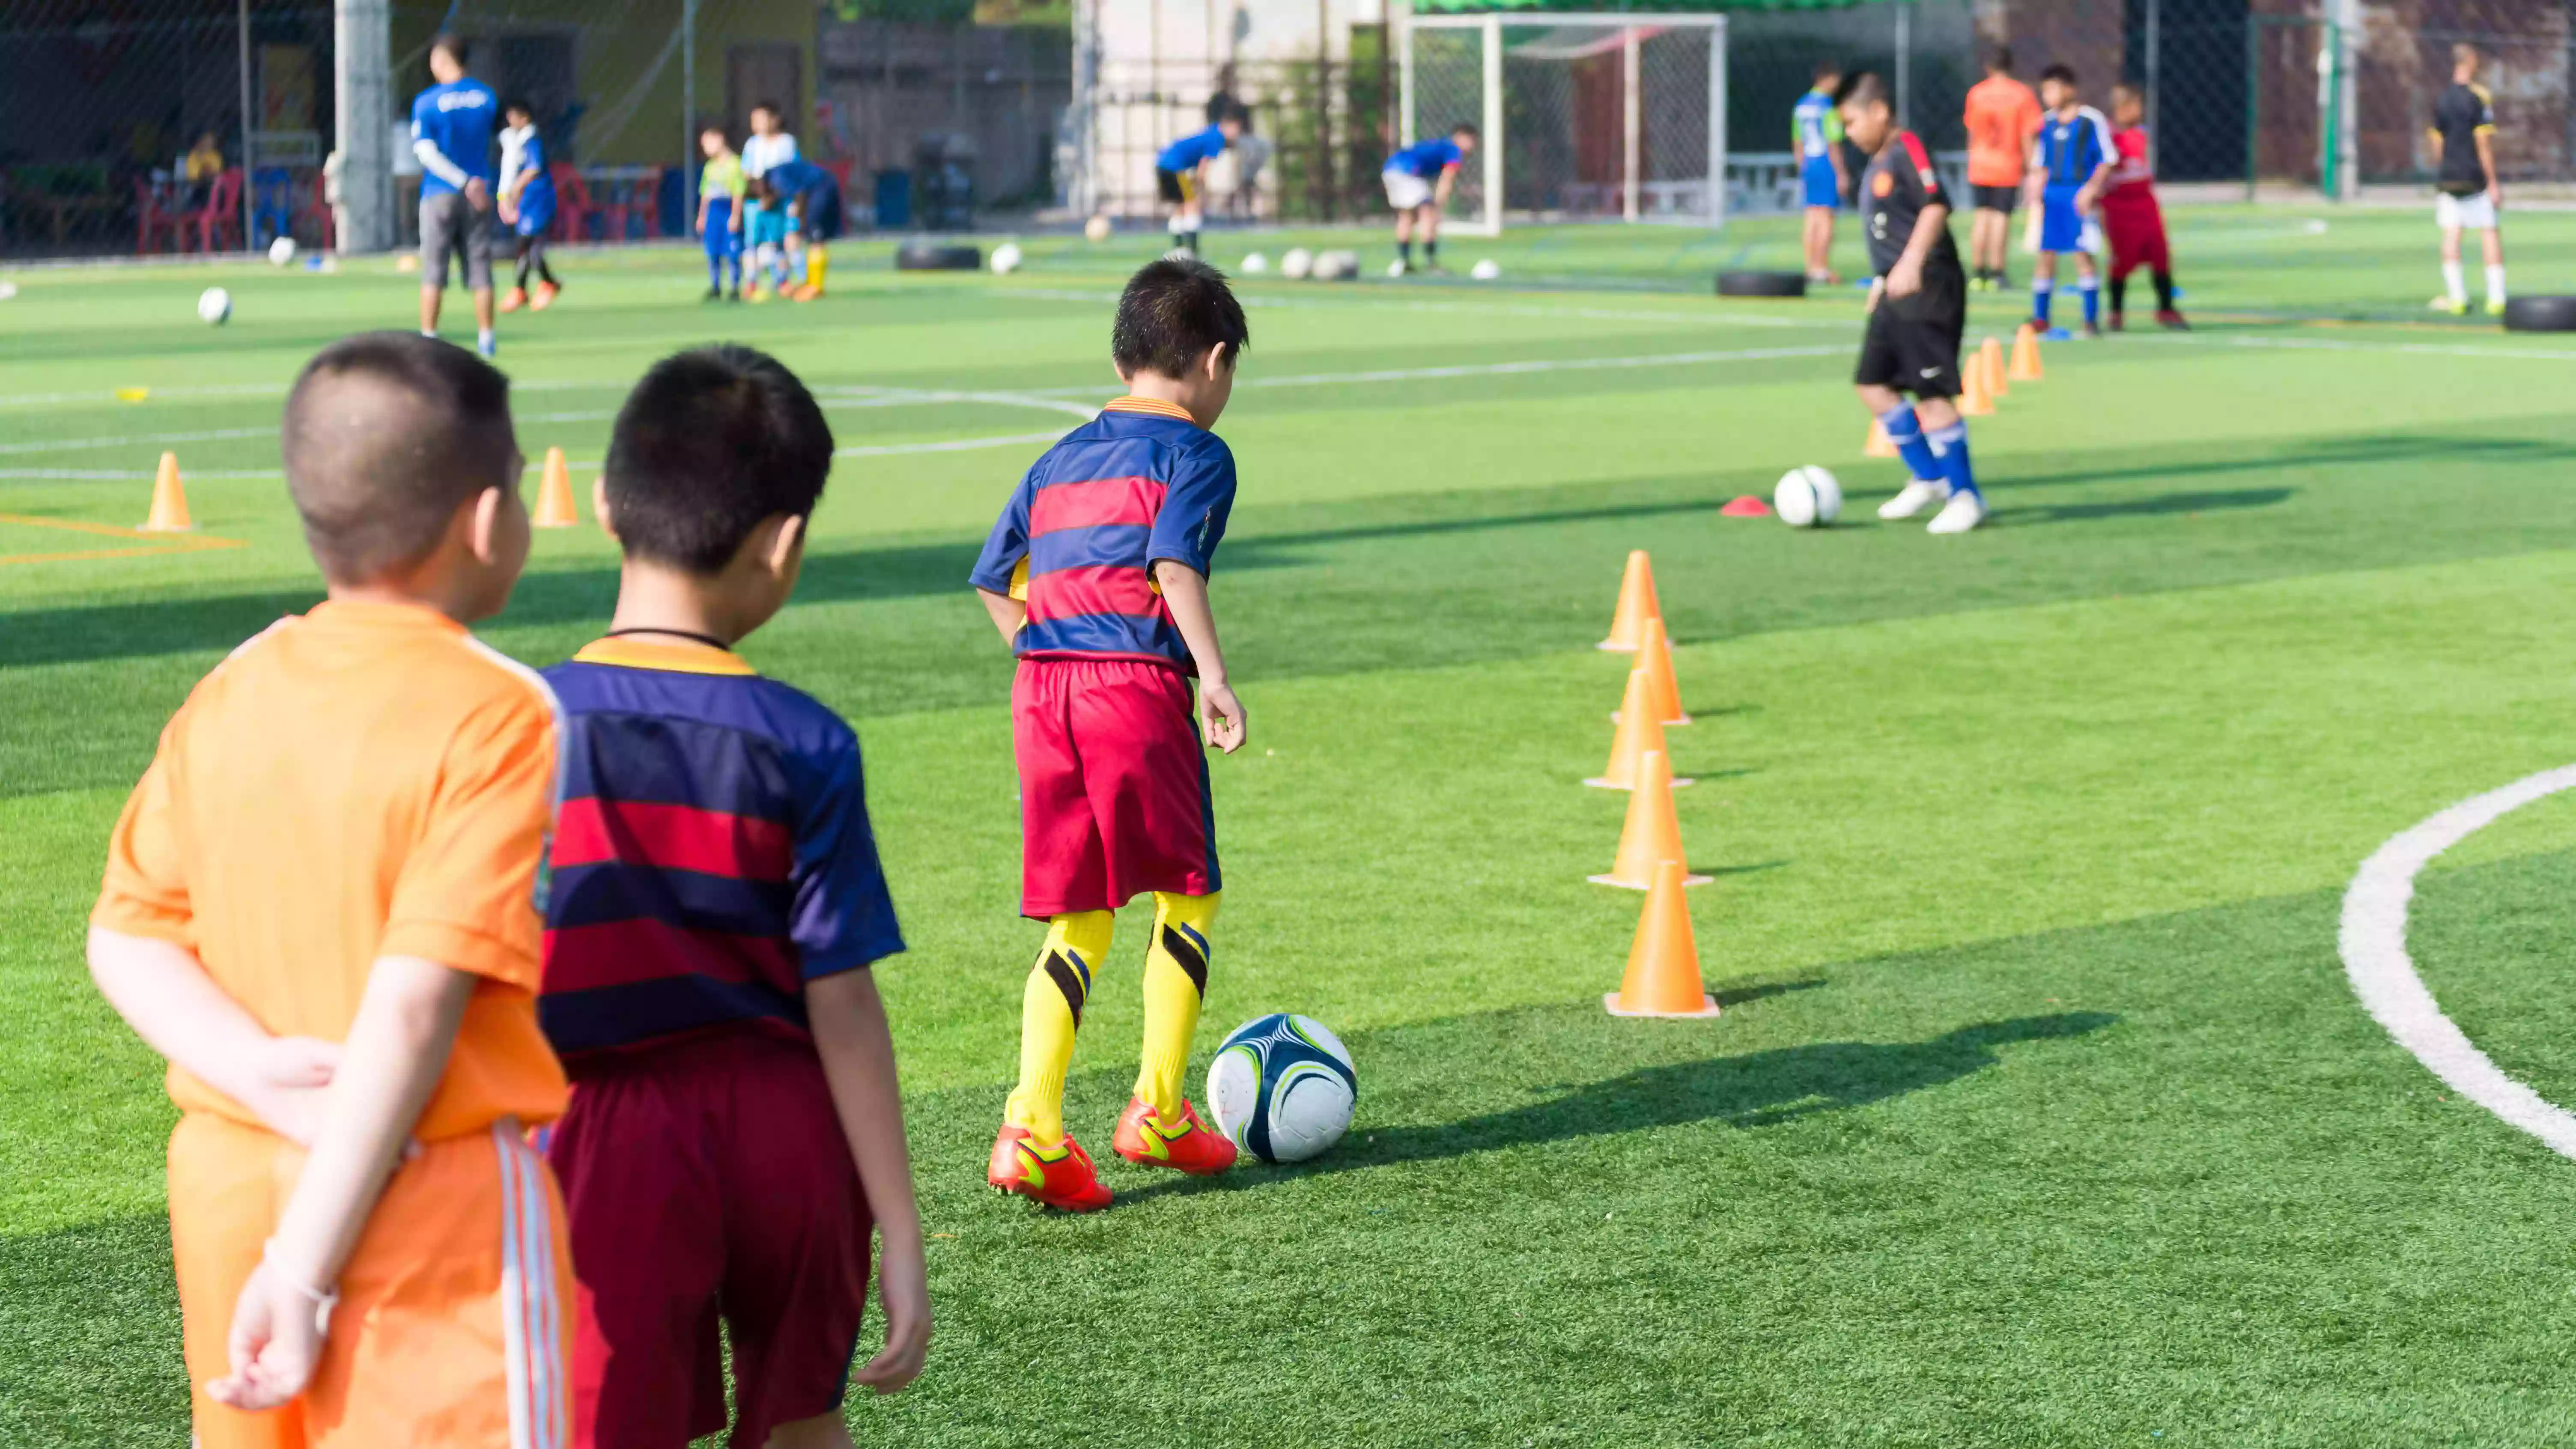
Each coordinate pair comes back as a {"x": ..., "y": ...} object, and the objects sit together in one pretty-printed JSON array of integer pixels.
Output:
[{"x": 1585, "y": 116}]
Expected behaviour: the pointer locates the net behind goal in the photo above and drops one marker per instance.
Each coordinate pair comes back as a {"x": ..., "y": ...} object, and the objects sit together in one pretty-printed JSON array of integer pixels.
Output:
[{"x": 1585, "y": 117}]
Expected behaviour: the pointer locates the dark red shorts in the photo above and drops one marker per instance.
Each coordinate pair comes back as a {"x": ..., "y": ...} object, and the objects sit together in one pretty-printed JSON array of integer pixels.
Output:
[
  {"x": 2137, "y": 239},
  {"x": 1113, "y": 785},
  {"x": 709, "y": 1179}
]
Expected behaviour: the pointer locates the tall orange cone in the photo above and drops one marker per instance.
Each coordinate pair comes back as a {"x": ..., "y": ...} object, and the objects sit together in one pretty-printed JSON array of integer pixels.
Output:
[
  {"x": 554, "y": 495},
  {"x": 1880, "y": 445},
  {"x": 1637, "y": 604},
  {"x": 169, "y": 500},
  {"x": 1653, "y": 834},
  {"x": 1974, "y": 400},
  {"x": 1655, "y": 661},
  {"x": 2025, "y": 356},
  {"x": 1991, "y": 356},
  {"x": 1663, "y": 966},
  {"x": 1641, "y": 731}
]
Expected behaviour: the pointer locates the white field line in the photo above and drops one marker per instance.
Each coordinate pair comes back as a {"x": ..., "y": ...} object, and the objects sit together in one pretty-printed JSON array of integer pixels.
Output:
[
  {"x": 1509, "y": 369},
  {"x": 2406, "y": 349},
  {"x": 1381, "y": 303},
  {"x": 2373, "y": 941}
]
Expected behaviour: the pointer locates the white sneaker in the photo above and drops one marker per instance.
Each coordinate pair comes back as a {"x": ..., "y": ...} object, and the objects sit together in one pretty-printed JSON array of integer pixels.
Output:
[
  {"x": 1964, "y": 511},
  {"x": 1919, "y": 494}
]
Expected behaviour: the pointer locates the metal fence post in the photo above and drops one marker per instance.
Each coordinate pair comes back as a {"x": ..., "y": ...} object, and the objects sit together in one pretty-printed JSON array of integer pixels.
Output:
[
  {"x": 362, "y": 104},
  {"x": 250, "y": 176},
  {"x": 1492, "y": 34},
  {"x": 688, "y": 114},
  {"x": 1632, "y": 122},
  {"x": 1717, "y": 45},
  {"x": 1904, "y": 63}
]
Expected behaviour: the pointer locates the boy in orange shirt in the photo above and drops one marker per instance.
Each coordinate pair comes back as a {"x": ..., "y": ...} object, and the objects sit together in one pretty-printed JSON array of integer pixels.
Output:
[
  {"x": 2002, "y": 116},
  {"x": 319, "y": 905}
]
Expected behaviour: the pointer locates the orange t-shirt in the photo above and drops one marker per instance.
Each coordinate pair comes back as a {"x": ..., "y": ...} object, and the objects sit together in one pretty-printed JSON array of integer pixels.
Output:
[
  {"x": 366, "y": 780},
  {"x": 2003, "y": 114}
]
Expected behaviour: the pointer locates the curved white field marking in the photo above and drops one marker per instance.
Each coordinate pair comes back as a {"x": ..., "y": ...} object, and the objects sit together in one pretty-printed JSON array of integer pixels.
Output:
[{"x": 2373, "y": 942}]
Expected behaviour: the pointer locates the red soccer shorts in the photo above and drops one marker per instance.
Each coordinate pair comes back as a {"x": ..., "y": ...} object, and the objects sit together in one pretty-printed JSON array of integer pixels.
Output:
[
  {"x": 2137, "y": 237},
  {"x": 701, "y": 1178},
  {"x": 1113, "y": 785}
]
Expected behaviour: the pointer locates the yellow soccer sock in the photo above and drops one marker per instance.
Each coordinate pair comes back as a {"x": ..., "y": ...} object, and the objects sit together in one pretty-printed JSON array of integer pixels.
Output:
[
  {"x": 1176, "y": 965},
  {"x": 1050, "y": 1011},
  {"x": 817, "y": 261}
]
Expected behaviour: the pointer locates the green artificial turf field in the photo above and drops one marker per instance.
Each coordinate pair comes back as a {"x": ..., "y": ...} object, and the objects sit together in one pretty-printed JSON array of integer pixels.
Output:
[{"x": 2041, "y": 1112}]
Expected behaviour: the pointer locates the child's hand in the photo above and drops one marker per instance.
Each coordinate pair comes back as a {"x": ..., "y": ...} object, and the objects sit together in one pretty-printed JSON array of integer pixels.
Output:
[
  {"x": 1221, "y": 717},
  {"x": 276, "y": 1343},
  {"x": 903, "y": 1288},
  {"x": 288, "y": 1084}
]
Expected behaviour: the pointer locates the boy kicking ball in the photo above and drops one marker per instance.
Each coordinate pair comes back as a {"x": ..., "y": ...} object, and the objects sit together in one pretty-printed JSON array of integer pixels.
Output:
[
  {"x": 1918, "y": 308},
  {"x": 1096, "y": 573}
]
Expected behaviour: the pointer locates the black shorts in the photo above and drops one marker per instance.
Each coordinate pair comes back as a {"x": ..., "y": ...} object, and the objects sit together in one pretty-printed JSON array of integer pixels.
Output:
[
  {"x": 1912, "y": 344},
  {"x": 1180, "y": 188},
  {"x": 1995, "y": 198}
]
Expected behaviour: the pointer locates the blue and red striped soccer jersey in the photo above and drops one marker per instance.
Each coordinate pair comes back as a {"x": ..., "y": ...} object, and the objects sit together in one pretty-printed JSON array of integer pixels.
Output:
[
  {"x": 1137, "y": 484},
  {"x": 711, "y": 855}
]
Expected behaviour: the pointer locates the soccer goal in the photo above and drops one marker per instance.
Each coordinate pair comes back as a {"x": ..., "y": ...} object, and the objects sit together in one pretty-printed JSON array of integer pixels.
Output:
[{"x": 1585, "y": 117}]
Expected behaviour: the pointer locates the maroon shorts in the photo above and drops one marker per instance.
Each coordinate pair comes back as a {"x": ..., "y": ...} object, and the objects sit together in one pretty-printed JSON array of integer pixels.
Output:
[
  {"x": 1113, "y": 785},
  {"x": 709, "y": 1179},
  {"x": 2137, "y": 237}
]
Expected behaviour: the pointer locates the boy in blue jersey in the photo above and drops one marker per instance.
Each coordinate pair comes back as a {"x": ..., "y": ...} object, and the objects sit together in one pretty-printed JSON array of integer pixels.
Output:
[
  {"x": 2071, "y": 161},
  {"x": 451, "y": 132},
  {"x": 1096, "y": 573},
  {"x": 713, "y": 907},
  {"x": 1180, "y": 175},
  {"x": 527, "y": 206},
  {"x": 1418, "y": 180},
  {"x": 1816, "y": 135}
]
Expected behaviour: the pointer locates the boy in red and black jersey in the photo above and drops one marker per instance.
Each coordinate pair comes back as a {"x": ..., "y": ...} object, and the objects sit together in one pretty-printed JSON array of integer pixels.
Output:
[
  {"x": 1918, "y": 307},
  {"x": 2136, "y": 225}
]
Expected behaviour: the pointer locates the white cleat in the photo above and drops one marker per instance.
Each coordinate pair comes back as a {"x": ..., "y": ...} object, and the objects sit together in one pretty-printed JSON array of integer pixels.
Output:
[
  {"x": 1919, "y": 494},
  {"x": 1964, "y": 511}
]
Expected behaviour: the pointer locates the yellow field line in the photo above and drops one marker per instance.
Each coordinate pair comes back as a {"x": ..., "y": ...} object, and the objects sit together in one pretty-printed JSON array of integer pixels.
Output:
[{"x": 161, "y": 543}]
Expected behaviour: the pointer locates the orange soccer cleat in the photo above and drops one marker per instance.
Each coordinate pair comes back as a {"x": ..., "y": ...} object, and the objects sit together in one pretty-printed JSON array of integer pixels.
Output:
[
  {"x": 514, "y": 299},
  {"x": 1189, "y": 1148},
  {"x": 544, "y": 298},
  {"x": 1061, "y": 1178},
  {"x": 806, "y": 293}
]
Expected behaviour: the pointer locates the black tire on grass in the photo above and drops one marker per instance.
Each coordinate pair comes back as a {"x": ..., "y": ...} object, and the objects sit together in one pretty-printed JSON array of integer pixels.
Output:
[
  {"x": 2540, "y": 314},
  {"x": 937, "y": 257},
  {"x": 1761, "y": 284}
]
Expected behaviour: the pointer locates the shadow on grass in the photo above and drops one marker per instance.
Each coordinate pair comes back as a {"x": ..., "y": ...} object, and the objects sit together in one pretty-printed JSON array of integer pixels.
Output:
[{"x": 2162, "y": 503}]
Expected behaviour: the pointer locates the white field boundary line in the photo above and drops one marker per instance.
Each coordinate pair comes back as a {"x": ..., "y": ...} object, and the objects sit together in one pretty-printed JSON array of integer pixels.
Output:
[
  {"x": 1470, "y": 309},
  {"x": 2328, "y": 344},
  {"x": 2373, "y": 943}
]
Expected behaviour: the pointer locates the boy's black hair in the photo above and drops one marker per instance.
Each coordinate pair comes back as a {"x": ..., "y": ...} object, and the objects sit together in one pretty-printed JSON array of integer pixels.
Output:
[
  {"x": 2000, "y": 61},
  {"x": 1862, "y": 89},
  {"x": 2060, "y": 72},
  {"x": 452, "y": 43},
  {"x": 519, "y": 104},
  {"x": 1829, "y": 70},
  {"x": 1468, "y": 130},
  {"x": 1172, "y": 312},
  {"x": 385, "y": 435},
  {"x": 769, "y": 106},
  {"x": 710, "y": 442}
]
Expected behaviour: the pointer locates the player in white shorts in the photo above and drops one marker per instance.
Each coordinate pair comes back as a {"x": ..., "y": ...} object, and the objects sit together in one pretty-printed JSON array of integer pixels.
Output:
[
  {"x": 1418, "y": 181},
  {"x": 2464, "y": 170}
]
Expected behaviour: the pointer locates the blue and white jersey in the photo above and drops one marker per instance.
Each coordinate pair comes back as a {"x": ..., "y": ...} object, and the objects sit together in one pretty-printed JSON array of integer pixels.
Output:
[
  {"x": 539, "y": 190},
  {"x": 2071, "y": 148},
  {"x": 457, "y": 120},
  {"x": 1427, "y": 159},
  {"x": 1814, "y": 126}
]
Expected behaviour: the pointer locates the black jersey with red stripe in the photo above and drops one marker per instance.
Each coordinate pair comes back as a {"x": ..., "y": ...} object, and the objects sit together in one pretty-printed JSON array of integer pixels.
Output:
[{"x": 1899, "y": 183}]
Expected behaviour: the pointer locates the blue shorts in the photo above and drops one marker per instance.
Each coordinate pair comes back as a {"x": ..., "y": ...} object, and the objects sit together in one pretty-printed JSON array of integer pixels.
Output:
[
  {"x": 536, "y": 210},
  {"x": 767, "y": 227},
  {"x": 2061, "y": 227},
  {"x": 721, "y": 240},
  {"x": 1817, "y": 177}
]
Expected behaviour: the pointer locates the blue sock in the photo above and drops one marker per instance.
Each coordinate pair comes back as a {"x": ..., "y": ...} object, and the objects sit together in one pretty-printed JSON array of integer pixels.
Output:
[
  {"x": 2040, "y": 289},
  {"x": 1951, "y": 444},
  {"x": 1907, "y": 434},
  {"x": 2092, "y": 300},
  {"x": 715, "y": 274}
]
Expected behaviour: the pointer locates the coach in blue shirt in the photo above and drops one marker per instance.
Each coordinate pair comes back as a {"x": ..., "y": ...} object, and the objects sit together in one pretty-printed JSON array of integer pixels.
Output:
[{"x": 451, "y": 132}]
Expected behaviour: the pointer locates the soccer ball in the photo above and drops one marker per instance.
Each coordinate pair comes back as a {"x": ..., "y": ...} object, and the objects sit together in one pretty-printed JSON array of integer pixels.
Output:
[
  {"x": 1255, "y": 264},
  {"x": 1282, "y": 1087},
  {"x": 1395, "y": 268},
  {"x": 1486, "y": 270},
  {"x": 1297, "y": 265},
  {"x": 1336, "y": 266},
  {"x": 214, "y": 306},
  {"x": 1807, "y": 497},
  {"x": 281, "y": 252},
  {"x": 1096, "y": 229},
  {"x": 1006, "y": 258}
]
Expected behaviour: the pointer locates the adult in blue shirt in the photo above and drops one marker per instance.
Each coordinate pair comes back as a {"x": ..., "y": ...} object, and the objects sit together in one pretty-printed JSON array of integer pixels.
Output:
[
  {"x": 1180, "y": 174},
  {"x": 1816, "y": 134},
  {"x": 451, "y": 132},
  {"x": 2071, "y": 161},
  {"x": 1418, "y": 180}
]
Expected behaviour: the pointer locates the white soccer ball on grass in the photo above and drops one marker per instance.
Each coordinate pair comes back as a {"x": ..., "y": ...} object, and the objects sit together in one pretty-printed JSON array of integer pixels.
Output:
[
  {"x": 281, "y": 252},
  {"x": 1395, "y": 268},
  {"x": 1486, "y": 270},
  {"x": 1807, "y": 497},
  {"x": 1282, "y": 1087},
  {"x": 1096, "y": 229},
  {"x": 214, "y": 306},
  {"x": 1006, "y": 259},
  {"x": 1254, "y": 264},
  {"x": 1297, "y": 265},
  {"x": 1336, "y": 266}
]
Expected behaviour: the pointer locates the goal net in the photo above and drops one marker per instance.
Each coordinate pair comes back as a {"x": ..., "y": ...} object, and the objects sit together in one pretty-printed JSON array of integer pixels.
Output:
[{"x": 1584, "y": 117}]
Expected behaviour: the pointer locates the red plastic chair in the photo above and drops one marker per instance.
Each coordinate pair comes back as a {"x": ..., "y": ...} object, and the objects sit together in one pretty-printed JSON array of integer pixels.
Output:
[
  {"x": 219, "y": 220},
  {"x": 155, "y": 226},
  {"x": 319, "y": 213},
  {"x": 574, "y": 210}
]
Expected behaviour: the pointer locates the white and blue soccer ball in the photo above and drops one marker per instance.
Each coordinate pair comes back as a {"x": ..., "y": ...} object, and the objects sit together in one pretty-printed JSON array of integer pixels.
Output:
[
  {"x": 214, "y": 306},
  {"x": 1808, "y": 497},
  {"x": 1006, "y": 259},
  {"x": 281, "y": 252},
  {"x": 1282, "y": 1087}
]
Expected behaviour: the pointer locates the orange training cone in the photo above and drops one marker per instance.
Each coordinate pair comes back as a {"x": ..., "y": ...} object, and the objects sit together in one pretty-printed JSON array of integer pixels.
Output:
[
  {"x": 1974, "y": 400},
  {"x": 169, "y": 500},
  {"x": 1653, "y": 834},
  {"x": 1641, "y": 731},
  {"x": 2025, "y": 356},
  {"x": 1663, "y": 688},
  {"x": 554, "y": 495},
  {"x": 1663, "y": 965},
  {"x": 1880, "y": 445},
  {"x": 1991, "y": 357},
  {"x": 1637, "y": 604}
]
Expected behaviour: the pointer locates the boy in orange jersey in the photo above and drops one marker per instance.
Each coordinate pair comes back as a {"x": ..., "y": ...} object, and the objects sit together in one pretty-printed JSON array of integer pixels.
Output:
[
  {"x": 2002, "y": 116},
  {"x": 319, "y": 905}
]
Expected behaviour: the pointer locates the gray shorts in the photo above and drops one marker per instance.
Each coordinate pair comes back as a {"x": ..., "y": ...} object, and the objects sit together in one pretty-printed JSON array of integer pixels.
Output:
[{"x": 448, "y": 223}]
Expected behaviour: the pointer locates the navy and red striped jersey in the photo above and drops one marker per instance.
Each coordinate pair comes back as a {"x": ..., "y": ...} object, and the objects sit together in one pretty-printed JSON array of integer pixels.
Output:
[
  {"x": 1138, "y": 484},
  {"x": 711, "y": 853},
  {"x": 1898, "y": 185}
]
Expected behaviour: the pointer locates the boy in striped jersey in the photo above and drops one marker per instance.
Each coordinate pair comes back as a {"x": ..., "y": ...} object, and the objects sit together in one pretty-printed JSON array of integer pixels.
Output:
[
  {"x": 1096, "y": 573},
  {"x": 2070, "y": 164}
]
